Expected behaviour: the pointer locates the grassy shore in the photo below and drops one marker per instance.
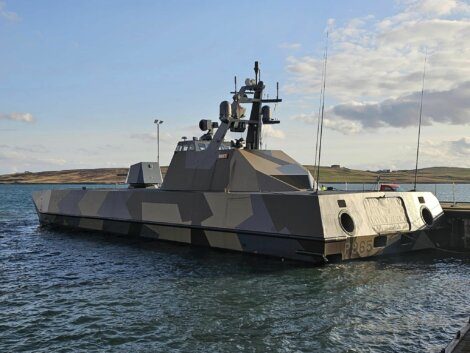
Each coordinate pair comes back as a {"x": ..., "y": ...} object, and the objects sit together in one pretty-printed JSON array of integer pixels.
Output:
[
  {"x": 432, "y": 175},
  {"x": 327, "y": 175}
]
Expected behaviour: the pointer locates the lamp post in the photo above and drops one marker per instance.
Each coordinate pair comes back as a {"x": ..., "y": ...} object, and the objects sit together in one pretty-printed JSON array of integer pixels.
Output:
[{"x": 158, "y": 122}]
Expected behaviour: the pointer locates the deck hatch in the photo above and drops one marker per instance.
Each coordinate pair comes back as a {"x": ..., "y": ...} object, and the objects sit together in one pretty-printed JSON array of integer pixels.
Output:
[{"x": 387, "y": 214}]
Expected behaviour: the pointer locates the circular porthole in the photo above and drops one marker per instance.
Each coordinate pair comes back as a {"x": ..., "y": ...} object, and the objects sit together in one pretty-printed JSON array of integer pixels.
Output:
[
  {"x": 346, "y": 222},
  {"x": 427, "y": 217}
]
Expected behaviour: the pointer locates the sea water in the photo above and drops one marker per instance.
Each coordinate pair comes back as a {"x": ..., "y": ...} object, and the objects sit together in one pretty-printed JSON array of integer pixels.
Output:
[{"x": 73, "y": 291}]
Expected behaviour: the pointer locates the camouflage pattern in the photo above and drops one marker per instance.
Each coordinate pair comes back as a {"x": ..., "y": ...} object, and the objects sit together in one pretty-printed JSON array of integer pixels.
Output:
[
  {"x": 299, "y": 225},
  {"x": 236, "y": 170},
  {"x": 221, "y": 195}
]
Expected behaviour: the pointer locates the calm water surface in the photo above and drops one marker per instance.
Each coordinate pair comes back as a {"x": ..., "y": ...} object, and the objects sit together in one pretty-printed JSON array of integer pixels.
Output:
[{"x": 74, "y": 291}]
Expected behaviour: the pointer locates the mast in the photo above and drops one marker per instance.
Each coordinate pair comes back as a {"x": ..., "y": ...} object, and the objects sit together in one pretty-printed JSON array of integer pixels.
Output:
[
  {"x": 254, "y": 128},
  {"x": 322, "y": 112},
  {"x": 420, "y": 118},
  {"x": 232, "y": 114},
  {"x": 259, "y": 115}
]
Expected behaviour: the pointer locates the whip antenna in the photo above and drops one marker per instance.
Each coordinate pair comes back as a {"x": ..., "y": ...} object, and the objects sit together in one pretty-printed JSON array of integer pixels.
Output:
[
  {"x": 322, "y": 111},
  {"x": 318, "y": 120},
  {"x": 420, "y": 118}
]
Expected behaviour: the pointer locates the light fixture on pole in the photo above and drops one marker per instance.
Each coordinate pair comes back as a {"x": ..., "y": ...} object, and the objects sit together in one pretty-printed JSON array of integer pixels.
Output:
[{"x": 158, "y": 122}]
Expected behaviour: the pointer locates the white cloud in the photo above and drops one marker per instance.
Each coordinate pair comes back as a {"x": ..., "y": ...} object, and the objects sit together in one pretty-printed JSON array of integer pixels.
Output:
[
  {"x": 270, "y": 131},
  {"x": 451, "y": 106},
  {"x": 461, "y": 147},
  {"x": 453, "y": 152},
  {"x": 381, "y": 61},
  {"x": 18, "y": 161},
  {"x": 8, "y": 15},
  {"x": 341, "y": 125},
  {"x": 306, "y": 118},
  {"x": 415, "y": 8},
  {"x": 24, "y": 117},
  {"x": 344, "y": 126}
]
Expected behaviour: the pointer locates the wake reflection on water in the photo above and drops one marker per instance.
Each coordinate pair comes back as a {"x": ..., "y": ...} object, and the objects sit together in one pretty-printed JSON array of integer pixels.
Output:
[{"x": 84, "y": 291}]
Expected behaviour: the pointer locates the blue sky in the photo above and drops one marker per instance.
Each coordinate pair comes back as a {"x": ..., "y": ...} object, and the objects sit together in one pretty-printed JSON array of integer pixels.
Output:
[{"x": 81, "y": 82}]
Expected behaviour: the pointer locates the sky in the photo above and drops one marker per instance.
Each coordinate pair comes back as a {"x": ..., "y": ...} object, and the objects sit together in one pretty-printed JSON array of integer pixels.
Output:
[{"x": 81, "y": 82}]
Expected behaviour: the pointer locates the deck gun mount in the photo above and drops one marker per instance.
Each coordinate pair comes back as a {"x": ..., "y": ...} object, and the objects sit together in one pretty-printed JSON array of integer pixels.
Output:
[{"x": 231, "y": 115}]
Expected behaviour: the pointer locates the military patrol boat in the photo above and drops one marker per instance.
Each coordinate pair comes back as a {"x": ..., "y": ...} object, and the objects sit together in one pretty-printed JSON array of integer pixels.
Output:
[{"x": 236, "y": 196}]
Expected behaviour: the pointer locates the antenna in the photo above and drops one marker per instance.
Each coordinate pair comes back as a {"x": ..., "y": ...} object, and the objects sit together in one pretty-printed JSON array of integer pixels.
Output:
[
  {"x": 235, "y": 81},
  {"x": 322, "y": 111},
  {"x": 420, "y": 118},
  {"x": 277, "y": 97},
  {"x": 318, "y": 120},
  {"x": 256, "y": 72}
]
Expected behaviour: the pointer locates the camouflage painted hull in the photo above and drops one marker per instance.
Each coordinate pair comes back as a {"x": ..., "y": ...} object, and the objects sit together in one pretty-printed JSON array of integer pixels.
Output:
[{"x": 300, "y": 226}]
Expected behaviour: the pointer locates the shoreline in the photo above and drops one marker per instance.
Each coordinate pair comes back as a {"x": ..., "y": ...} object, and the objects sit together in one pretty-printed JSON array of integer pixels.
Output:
[
  {"x": 334, "y": 183},
  {"x": 328, "y": 175}
]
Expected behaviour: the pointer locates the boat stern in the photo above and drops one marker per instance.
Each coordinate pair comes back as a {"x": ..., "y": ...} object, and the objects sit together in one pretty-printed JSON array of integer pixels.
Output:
[{"x": 378, "y": 223}]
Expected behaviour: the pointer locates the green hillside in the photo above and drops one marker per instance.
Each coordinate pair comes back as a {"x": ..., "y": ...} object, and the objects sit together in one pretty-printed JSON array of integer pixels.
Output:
[
  {"x": 327, "y": 175},
  {"x": 425, "y": 175}
]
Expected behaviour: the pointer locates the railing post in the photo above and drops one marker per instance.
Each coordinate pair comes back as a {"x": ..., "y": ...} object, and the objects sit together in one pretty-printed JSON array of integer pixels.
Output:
[{"x": 453, "y": 193}]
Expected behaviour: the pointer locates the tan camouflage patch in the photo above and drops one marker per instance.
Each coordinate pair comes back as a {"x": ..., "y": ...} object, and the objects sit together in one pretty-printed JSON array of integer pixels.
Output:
[
  {"x": 161, "y": 212},
  {"x": 182, "y": 235},
  {"x": 90, "y": 223},
  {"x": 91, "y": 202},
  {"x": 223, "y": 240}
]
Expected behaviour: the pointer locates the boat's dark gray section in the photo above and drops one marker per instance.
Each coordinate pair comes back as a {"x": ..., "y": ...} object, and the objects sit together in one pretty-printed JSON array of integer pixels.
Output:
[{"x": 295, "y": 225}]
